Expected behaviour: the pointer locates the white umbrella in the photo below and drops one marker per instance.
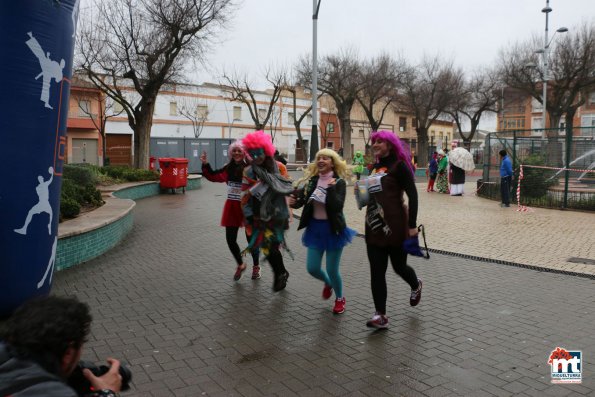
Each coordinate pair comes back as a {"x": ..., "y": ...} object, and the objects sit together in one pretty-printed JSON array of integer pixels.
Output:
[{"x": 462, "y": 158}]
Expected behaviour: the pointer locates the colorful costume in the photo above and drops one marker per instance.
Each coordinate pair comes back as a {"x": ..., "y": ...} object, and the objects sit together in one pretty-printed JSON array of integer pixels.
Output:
[
  {"x": 358, "y": 163},
  {"x": 442, "y": 179},
  {"x": 264, "y": 204}
]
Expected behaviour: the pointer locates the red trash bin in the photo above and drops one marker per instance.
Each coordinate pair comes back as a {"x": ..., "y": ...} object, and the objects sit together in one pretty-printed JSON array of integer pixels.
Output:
[{"x": 173, "y": 173}]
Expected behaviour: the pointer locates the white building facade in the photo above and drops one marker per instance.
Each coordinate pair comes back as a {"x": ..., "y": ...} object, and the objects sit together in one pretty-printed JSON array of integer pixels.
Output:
[{"x": 206, "y": 112}]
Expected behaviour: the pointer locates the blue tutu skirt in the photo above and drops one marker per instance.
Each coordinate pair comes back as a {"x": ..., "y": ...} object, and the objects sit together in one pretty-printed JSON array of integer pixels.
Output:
[{"x": 318, "y": 235}]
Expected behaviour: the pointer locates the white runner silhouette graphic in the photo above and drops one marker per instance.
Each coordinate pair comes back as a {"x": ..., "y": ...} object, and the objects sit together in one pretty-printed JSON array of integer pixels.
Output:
[
  {"x": 50, "y": 269},
  {"x": 49, "y": 69},
  {"x": 43, "y": 193}
]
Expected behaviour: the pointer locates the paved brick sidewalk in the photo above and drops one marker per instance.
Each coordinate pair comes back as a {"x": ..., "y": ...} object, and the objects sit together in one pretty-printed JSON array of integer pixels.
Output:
[
  {"x": 478, "y": 227},
  {"x": 164, "y": 300}
]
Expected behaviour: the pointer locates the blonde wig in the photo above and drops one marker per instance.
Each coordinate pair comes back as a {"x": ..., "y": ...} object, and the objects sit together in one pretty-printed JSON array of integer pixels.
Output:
[{"x": 340, "y": 167}]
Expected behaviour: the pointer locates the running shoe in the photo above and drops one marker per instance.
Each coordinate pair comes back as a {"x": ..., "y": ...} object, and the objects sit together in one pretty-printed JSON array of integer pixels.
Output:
[
  {"x": 239, "y": 270},
  {"x": 327, "y": 292},
  {"x": 255, "y": 272},
  {"x": 339, "y": 306},
  {"x": 415, "y": 294},
  {"x": 379, "y": 321}
]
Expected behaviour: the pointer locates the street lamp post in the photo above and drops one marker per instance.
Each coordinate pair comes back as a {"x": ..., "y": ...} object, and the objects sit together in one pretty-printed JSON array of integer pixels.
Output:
[
  {"x": 314, "y": 134},
  {"x": 546, "y": 45}
]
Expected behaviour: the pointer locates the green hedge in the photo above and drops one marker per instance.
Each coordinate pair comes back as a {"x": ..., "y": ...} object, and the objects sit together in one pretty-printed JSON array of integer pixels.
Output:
[{"x": 79, "y": 184}]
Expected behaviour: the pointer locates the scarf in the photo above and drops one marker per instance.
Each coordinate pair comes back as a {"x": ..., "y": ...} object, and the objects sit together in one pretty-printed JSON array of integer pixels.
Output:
[{"x": 272, "y": 204}]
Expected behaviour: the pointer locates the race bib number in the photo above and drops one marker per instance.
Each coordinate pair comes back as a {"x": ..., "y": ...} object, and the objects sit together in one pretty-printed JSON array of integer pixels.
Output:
[
  {"x": 319, "y": 194},
  {"x": 375, "y": 183},
  {"x": 234, "y": 191},
  {"x": 258, "y": 190}
]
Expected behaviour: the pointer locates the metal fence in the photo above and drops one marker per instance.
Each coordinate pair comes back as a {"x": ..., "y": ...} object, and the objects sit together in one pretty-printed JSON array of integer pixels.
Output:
[{"x": 558, "y": 171}]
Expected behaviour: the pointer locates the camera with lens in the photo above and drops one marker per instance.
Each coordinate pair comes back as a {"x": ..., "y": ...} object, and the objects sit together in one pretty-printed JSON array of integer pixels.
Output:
[{"x": 82, "y": 386}]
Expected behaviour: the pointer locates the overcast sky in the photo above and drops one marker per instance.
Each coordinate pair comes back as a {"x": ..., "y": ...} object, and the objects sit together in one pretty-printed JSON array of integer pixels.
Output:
[{"x": 468, "y": 31}]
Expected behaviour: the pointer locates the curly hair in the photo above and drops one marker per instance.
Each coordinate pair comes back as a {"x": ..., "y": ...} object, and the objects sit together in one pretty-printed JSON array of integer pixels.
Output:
[
  {"x": 340, "y": 167},
  {"x": 259, "y": 140},
  {"x": 397, "y": 148},
  {"x": 42, "y": 329}
]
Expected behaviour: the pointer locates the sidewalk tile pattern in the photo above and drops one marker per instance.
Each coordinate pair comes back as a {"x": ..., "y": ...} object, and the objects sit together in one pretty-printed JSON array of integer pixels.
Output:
[{"x": 165, "y": 302}]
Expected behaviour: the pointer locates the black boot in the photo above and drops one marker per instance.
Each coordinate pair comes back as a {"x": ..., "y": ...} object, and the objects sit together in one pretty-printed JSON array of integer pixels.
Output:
[{"x": 276, "y": 260}]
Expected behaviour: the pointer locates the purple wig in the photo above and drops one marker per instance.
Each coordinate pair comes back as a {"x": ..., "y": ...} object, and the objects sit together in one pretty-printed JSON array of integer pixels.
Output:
[{"x": 398, "y": 148}]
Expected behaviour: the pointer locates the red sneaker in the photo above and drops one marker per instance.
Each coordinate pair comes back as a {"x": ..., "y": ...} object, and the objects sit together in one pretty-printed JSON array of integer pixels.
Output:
[
  {"x": 339, "y": 306},
  {"x": 327, "y": 291},
  {"x": 415, "y": 295},
  {"x": 255, "y": 272},
  {"x": 239, "y": 270}
]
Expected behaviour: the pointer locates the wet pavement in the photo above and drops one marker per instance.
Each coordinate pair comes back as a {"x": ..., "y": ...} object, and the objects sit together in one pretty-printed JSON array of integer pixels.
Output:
[{"x": 165, "y": 302}]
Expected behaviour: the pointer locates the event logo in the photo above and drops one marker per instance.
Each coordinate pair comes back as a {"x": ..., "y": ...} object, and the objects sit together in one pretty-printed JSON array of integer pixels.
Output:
[{"x": 566, "y": 366}]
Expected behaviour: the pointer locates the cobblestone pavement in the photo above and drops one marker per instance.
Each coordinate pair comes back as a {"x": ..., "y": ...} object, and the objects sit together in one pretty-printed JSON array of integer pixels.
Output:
[{"x": 165, "y": 302}]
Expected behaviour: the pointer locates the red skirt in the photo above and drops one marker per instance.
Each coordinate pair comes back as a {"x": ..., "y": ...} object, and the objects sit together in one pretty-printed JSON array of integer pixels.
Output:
[{"x": 232, "y": 214}]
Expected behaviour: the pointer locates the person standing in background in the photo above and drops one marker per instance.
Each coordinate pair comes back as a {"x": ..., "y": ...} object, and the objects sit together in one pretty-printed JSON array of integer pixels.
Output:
[
  {"x": 432, "y": 171},
  {"x": 505, "y": 178}
]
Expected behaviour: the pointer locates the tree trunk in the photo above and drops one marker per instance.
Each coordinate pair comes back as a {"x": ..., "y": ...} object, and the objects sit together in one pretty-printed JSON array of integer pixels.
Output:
[
  {"x": 142, "y": 135},
  {"x": 345, "y": 121},
  {"x": 298, "y": 130},
  {"x": 422, "y": 147}
]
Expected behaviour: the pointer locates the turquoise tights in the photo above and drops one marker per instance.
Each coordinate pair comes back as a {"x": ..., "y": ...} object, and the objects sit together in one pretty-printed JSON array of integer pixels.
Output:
[{"x": 331, "y": 276}]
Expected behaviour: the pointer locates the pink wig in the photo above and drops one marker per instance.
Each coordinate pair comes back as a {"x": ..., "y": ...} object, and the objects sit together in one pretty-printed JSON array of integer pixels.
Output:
[
  {"x": 398, "y": 148},
  {"x": 259, "y": 140},
  {"x": 234, "y": 145}
]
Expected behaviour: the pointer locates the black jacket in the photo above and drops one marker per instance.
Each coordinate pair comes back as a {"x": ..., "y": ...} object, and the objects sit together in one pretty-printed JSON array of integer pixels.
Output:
[{"x": 335, "y": 199}]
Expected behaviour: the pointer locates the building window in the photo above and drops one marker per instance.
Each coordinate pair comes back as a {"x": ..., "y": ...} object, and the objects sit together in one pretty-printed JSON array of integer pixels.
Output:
[
  {"x": 588, "y": 120},
  {"x": 173, "y": 109},
  {"x": 330, "y": 127},
  {"x": 329, "y": 144},
  {"x": 237, "y": 112},
  {"x": 202, "y": 112},
  {"x": 536, "y": 106},
  {"x": 402, "y": 124},
  {"x": 592, "y": 98},
  {"x": 262, "y": 114},
  {"x": 536, "y": 123},
  {"x": 291, "y": 117},
  {"x": 360, "y": 134},
  {"x": 84, "y": 109}
]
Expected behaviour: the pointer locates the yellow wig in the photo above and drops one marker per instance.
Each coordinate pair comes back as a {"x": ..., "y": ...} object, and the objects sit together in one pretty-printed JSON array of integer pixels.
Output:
[{"x": 340, "y": 167}]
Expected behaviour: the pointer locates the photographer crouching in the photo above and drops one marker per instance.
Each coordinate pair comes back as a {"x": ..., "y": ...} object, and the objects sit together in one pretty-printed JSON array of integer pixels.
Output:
[{"x": 40, "y": 351}]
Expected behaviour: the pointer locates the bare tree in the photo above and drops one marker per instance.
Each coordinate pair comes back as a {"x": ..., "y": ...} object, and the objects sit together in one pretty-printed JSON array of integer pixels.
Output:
[
  {"x": 196, "y": 111},
  {"x": 106, "y": 111},
  {"x": 340, "y": 78},
  {"x": 472, "y": 98},
  {"x": 140, "y": 45},
  {"x": 379, "y": 81},
  {"x": 571, "y": 72},
  {"x": 240, "y": 89},
  {"x": 427, "y": 91}
]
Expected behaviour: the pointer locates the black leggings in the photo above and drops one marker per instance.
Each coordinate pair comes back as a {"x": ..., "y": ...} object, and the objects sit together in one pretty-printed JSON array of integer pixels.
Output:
[
  {"x": 231, "y": 235},
  {"x": 378, "y": 257},
  {"x": 276, "y": 260}
]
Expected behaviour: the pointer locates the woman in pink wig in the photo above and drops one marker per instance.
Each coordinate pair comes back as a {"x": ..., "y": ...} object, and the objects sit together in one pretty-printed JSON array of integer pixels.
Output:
[
  {"x": 264, "y": 204},
  {"x": 233, "y": 217}
]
